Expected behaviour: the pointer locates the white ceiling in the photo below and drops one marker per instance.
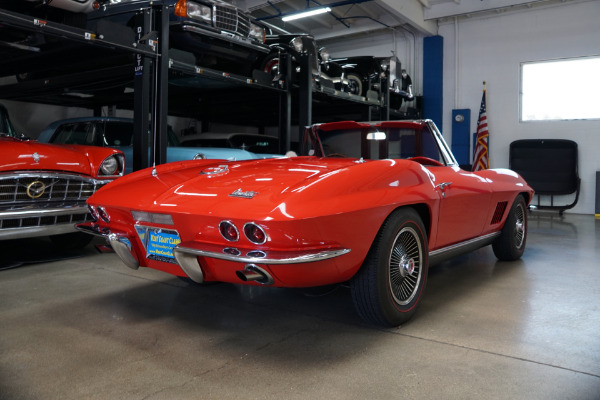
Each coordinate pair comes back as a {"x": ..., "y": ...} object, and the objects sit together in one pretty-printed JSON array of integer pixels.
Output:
[{"x": 355, "y": 16}]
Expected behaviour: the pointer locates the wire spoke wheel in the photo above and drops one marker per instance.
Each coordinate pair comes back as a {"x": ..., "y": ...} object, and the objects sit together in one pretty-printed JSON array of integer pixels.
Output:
[
  {"x": 519, "y": 225},
  {"x": 388, "y": 287},
  {"x": 510, "y": 245},
  {"x": 405, "y": 266}
]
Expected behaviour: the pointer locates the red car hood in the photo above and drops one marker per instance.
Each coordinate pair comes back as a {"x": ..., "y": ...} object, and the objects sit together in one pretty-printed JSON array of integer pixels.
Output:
[
  {"x": 20, "y": 155},
  {"x": 285, "y": 186}
]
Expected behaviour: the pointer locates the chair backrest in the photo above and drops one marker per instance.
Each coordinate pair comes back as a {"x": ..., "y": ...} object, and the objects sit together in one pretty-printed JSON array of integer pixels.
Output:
[{"x": 548, "y": 165}]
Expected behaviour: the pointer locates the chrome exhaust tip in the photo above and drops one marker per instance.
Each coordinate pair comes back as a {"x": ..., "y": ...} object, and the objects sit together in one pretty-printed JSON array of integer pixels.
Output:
[{"x": 253, "y": 272}]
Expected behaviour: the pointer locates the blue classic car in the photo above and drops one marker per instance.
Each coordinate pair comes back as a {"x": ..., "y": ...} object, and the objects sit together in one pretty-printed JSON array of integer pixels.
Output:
[{"x": 118, "y": 134}]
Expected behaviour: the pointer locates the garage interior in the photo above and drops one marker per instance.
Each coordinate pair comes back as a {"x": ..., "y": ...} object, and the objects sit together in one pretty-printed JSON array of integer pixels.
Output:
[{"x": 79, "y": 324}]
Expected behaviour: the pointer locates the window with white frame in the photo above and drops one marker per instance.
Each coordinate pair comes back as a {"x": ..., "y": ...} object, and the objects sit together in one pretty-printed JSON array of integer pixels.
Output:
[{"x": 567, "y": 89}]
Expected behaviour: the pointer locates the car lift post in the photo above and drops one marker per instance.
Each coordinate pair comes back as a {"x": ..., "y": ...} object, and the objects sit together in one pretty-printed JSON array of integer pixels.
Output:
[
  {"x": 285, "y": 104},
  {"x": 160, "y": 98},
  {"x": 141, "y": 105},
  {"x": 304, "y": 96}
]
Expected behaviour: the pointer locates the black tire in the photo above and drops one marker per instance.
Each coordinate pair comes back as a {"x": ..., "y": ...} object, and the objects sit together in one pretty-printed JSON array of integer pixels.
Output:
[
  {"x": 71, "y": 241},
  {"x": 510, "y": 245},
  {"x": 388, "y": 287},
  {"x": 354, "y": 84}
]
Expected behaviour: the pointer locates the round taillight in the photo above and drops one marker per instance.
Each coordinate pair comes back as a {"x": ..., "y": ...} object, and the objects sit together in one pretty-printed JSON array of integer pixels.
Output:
[
  {"x": 255, "y": 233},
  {"x": 103, "y": 215},
  {"x": 229, "y": 231},
  {"x": 93, "y": 213}
]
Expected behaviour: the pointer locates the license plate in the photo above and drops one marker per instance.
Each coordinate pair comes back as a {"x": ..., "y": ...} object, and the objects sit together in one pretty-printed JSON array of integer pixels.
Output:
[{"x": 159, "y": 243}]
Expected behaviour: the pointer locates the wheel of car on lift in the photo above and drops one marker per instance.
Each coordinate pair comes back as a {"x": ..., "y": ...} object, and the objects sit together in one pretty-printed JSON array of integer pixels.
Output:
[
  {"x": 510, "y": 245},
  {"x": 270, "y": 64},
  {"x": 389, "y": 286},
  {"x": 354, "y": 84},
  {"x": 71, "y": 241}
]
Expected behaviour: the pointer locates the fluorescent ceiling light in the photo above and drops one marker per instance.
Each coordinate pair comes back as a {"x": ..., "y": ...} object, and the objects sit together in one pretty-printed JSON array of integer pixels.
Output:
[{"x": 304, "y": 14}]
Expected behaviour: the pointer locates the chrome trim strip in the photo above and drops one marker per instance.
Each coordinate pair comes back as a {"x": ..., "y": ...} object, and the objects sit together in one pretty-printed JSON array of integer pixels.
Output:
[
  {"x": 9, "y": 214},
  {"x": 304, "y": 258},
  {"x": 47, "y": 174},
  {"x": 35, "y": 231},
  {"x": 233, "y": 38},
  {"x": 482, "y": 240}
]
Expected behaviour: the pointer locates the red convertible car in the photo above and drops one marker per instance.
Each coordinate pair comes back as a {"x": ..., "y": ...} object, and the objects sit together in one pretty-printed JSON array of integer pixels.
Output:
[
  {"x": 44, "y": 187},
  {"x": 374, "y": 205}
]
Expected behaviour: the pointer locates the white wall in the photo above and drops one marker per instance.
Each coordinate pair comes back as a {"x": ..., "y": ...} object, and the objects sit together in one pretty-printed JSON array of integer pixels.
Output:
[{"x": 491, "y": 49}]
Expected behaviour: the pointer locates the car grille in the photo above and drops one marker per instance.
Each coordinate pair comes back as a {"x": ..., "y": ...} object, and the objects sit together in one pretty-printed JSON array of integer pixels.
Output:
[
  {"x": 29, "y": 222},
  {"x": 22, "y": 194},
  {"x": 232, "y": 20}
]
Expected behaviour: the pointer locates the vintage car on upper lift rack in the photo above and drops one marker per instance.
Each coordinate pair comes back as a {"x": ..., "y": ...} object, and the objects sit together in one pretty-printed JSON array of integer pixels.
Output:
[
  {"x": 326, "y": 74},
  {"x": 216, "y": 34},
  {"x": 117, "y": 133},
  {"x": 44, "y": 187},
  {"x": 371, "y": 76},
  {"x": 374, "y": 207}
]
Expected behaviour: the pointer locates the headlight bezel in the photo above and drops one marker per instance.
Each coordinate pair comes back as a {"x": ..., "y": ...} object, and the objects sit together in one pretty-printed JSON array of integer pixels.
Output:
[
  {"x": 113, "y": 165},
  {"x": 257, "y": 32}
]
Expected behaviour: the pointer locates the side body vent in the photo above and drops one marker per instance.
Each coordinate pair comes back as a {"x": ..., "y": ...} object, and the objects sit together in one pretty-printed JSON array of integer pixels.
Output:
[{"x": 500, "y": 208}]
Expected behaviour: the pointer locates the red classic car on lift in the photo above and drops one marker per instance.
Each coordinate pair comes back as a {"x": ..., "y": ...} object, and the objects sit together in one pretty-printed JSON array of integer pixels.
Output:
[
  {"x": 374, "y": 206},
  {"x": 43, "y": 188}
]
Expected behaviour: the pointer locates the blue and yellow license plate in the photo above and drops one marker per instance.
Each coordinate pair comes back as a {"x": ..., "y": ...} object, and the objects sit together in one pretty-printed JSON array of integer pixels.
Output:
[{"x": 159, "y": 243}]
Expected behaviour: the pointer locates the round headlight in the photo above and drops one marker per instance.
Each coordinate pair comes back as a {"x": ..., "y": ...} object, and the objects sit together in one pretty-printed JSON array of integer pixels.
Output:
[
  {"x": 199, "y": 156},
  {"x": 324, "y": 54},
  {"x": 110, "y": 166},
  {"x": 296, "y": 43}
]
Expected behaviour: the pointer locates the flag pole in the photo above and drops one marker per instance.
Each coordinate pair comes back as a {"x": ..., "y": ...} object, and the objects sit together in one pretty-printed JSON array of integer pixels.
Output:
[{"x": 488, "y": 139}]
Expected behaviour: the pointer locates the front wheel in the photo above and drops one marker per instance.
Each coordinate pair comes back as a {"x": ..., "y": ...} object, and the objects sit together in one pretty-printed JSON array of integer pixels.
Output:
[
  {"x": 388, "y": 288},
  {"x": 510, "y": 245},
  {"x": 354, "y": 84}
]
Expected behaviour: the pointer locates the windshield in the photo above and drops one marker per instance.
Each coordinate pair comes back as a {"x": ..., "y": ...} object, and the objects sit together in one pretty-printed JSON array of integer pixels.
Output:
[
  {"x": 5, "y": 124},
  {"x": 402, "y": 141},
  {"x": 102, "y": 133}
]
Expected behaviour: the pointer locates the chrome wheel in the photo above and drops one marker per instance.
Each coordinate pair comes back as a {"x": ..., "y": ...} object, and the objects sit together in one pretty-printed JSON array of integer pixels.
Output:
[
  {"x": 510, "y": 245},
  {"x": 405, "y": 266},
  {"x": 519, "y": 225}
]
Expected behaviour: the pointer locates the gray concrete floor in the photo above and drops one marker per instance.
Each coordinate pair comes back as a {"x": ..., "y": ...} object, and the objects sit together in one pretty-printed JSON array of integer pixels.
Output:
[{"x": 89, "y": 328}]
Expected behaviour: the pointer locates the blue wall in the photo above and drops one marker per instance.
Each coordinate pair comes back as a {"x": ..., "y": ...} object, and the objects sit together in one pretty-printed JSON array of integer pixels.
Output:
[{"x": 433, "y": 79}]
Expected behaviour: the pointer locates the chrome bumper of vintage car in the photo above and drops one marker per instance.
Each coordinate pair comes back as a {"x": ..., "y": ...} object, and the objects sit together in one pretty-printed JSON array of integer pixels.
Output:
[
  {"x": 242, "y": 41},
  {"x": 40, "y": 203},
  {"x": 24, "y": 223},
  {"x": 186, "y": 255}
]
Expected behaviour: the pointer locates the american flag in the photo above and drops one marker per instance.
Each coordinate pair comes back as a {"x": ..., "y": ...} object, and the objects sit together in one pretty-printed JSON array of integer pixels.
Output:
[{"x": 481, "y": 160}]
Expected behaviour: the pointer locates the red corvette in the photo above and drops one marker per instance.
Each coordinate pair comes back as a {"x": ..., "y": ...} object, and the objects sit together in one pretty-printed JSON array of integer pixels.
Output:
[
  {"x": 374, "y": 205},
  {"x": 43, "y": 188}
]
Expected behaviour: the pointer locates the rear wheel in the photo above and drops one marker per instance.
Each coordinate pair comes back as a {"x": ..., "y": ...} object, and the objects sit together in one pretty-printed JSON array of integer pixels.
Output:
[
  {"x": 354, "y": 84},
  {"x": 388, "y": 287},
  {"x": 510, "y": 245}
]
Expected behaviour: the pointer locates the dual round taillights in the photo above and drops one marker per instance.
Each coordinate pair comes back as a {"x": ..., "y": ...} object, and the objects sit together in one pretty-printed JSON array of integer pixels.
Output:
[
  {"x": 253, "y": 232},
  {"x": 99, "y": 213}
]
